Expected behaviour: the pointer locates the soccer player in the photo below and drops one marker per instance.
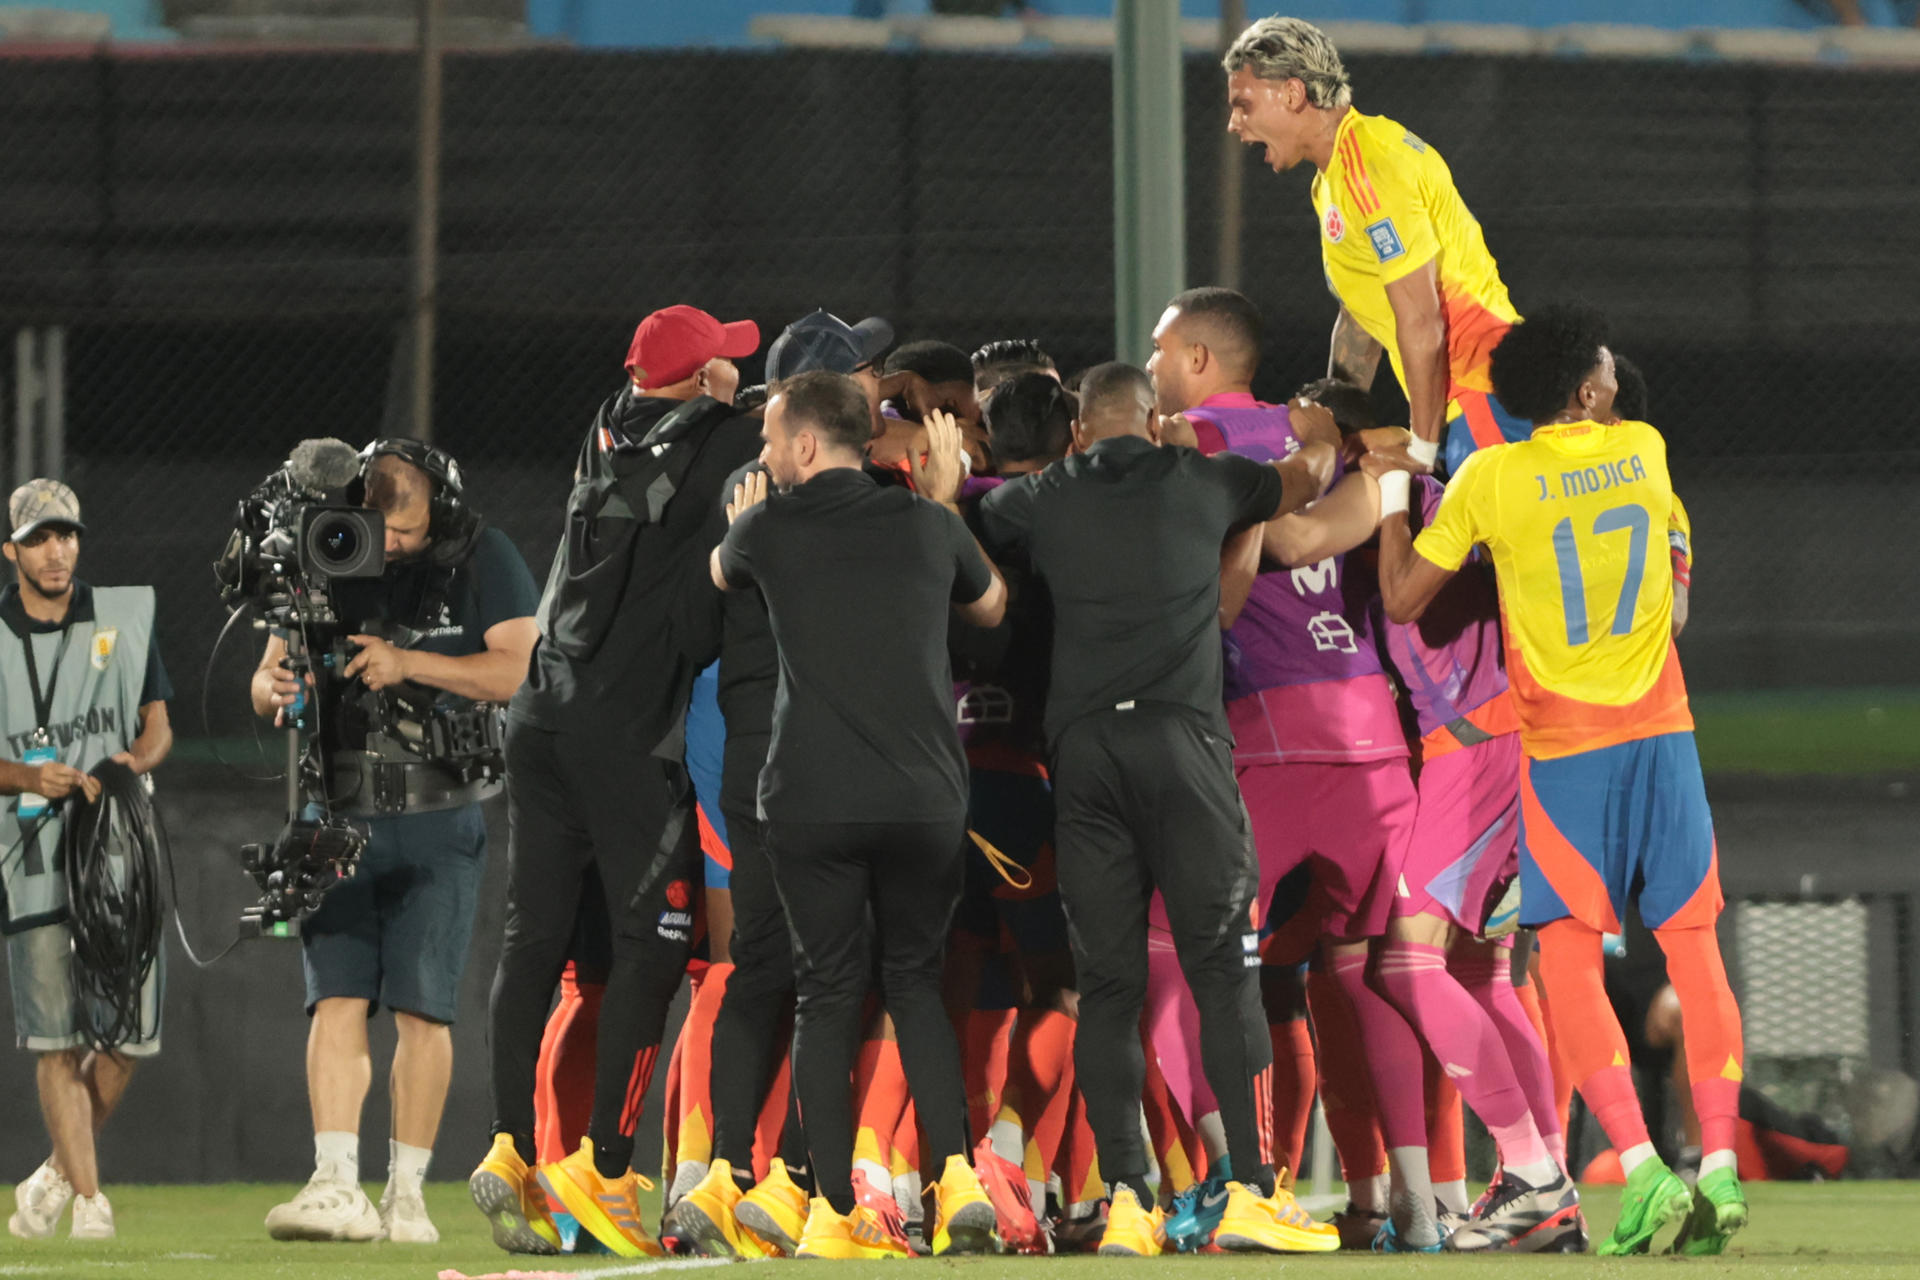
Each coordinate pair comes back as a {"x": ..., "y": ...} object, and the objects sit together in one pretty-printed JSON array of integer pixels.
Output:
[
  {"x": 1319, "y": 752},
  {"x": 1402, "y": 251},
  {"x": 1127, "y": 537},
  {"x": 1613, "y": 807}
]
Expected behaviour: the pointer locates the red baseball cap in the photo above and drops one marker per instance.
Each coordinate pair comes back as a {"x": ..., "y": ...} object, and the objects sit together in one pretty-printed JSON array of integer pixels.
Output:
[{"x": 672, "y": 344}]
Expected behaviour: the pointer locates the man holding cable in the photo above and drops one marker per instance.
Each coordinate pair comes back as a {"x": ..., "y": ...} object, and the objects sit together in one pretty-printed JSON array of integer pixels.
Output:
[{"x": 81, "y": 685}]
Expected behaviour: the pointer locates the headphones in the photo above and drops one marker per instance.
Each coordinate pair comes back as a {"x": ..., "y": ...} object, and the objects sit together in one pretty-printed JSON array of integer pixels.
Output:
[{"x": 451, "y": 524}]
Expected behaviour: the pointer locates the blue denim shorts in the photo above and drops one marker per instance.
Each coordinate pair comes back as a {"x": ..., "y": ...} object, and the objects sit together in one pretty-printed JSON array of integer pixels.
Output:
[
  {"x": 46, "y": 1006},
  {"x": 396, "y": 934}
]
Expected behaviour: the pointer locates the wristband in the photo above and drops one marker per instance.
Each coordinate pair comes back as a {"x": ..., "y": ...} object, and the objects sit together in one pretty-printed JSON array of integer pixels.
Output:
[
  {"x": 1424, "y": 452},
  {"x": 1396, "y": 488}
]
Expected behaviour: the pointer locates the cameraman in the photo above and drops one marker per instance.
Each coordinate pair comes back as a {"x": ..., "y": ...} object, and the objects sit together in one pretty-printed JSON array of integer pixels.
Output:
[
  {"x": 453, "y": 613},
  {"x": 66, "y": 708}
]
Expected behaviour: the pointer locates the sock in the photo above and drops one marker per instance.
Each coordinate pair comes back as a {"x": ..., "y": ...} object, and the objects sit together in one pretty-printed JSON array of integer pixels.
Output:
[
  {"x": 1137, "y": 1183},
  {"x": 1592, "y": 1045},
  {"x": 1487, "y": 976},
  {"x": 1534, "y": 994},
  {"x": 339, "y": 1149},
  {"x": 771, "y": 1128},
  {"x": 1294, "y": 1083},
  {"x": 1711, "y": 1022},
  {"x": 694, "y": 1140},
  {"x": 1171, "y": 1138},
  {"x": 1446, "y": 1128},
  {"x": 407, "y": 1166},
  {"x": 670, "y": 1105},
  {"x": 1411, "y": 1199},
  {"x": 1717, "y": 1160},
  {"x": 1369, "y": 1194},
  {"x": 1392, "y": 1054},
  {"x": 563, "y": 1080},
  {"x": 883, "y": 1099},
  {"x": 1346, "y": 1093},
  {"x": 986, "y": 1038},
  {"x": 1471, "y": 1053},
  {"x": 1040, "y": 1092},
  {"x": 1081, "y": 1182},
  {"x": 1173, "y": 1034},
  {"x": 1632, "y": 1157},
  {"x": 909, "y": 1148}
]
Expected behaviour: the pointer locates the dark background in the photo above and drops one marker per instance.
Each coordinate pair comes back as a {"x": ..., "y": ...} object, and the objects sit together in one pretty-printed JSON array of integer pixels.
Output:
[{"x": 225, "y": 239}]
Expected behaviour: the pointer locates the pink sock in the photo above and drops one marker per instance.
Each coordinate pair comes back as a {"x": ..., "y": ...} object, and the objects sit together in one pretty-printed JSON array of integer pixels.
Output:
[
  {"x": 1466, "y": 1042},
  {"x": 1393, "y": 1055},
  {"x": 1173, "y": 1026},
  {"x": 1489, "y": 980}
]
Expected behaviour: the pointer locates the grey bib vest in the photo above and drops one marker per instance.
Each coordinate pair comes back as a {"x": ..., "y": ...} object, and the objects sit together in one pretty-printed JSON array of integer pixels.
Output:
[{"x": 95, "y": 713}]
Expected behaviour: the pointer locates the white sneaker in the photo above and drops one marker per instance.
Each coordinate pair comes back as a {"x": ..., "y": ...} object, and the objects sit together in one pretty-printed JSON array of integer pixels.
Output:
[
  {"x": 40, "y": 1201},
  {"x": 327, "y": 1208},
  {"x": 92, "y": 1217},
  {"x": 405, "y": 1214}
]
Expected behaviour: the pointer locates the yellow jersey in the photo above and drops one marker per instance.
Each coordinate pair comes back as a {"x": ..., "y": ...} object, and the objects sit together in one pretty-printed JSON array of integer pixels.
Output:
[
  {"x": 1387, "y": 206},
  {"x": 1573, "y": 520}
]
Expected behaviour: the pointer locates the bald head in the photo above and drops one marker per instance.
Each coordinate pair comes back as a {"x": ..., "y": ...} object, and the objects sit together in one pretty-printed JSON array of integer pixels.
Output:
[{"x": 1115, "y": 400}]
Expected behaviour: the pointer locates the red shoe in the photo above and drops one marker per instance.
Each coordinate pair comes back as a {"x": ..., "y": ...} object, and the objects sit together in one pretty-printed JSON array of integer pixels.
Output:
[
  {"x": 1006, "y": 1186},
  {"x": 884, "y": 1208}
]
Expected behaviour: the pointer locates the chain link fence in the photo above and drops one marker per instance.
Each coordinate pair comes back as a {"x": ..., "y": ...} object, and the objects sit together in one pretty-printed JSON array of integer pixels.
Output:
[{"x": 221, "y": 241}]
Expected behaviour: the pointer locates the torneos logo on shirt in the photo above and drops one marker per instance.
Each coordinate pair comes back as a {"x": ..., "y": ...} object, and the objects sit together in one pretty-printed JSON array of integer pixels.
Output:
[{"x": 1336, "y": 225}]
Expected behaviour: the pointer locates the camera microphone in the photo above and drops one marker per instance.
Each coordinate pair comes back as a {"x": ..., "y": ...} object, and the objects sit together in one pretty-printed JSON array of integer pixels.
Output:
[{"x": 323, "y": 467}]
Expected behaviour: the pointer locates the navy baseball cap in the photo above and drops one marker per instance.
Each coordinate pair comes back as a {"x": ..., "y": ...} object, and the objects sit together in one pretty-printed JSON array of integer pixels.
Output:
[{"x": 825, "y": 341}]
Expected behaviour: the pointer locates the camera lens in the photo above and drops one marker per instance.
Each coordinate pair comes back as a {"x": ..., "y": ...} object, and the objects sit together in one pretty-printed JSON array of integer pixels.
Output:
[{"x": 338, "y": 541}]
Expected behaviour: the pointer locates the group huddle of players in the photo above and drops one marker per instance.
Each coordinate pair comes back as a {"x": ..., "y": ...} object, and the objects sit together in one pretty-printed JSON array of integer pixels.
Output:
[{"x": 1463, "y": 753}]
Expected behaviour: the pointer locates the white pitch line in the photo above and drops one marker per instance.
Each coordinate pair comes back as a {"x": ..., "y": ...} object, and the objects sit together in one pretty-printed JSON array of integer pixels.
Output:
[{"x": 658, "y": 1264}]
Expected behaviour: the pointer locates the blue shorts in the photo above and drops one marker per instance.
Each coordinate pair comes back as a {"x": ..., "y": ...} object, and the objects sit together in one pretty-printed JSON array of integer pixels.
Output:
[
  {"x": 706, "y": 755},
  {"x": 1481, "y": 422},
  {"x": 396, "y": 934},
  {"x": 1622, "y": 824},
  {"x": 46, "y": 1004}
]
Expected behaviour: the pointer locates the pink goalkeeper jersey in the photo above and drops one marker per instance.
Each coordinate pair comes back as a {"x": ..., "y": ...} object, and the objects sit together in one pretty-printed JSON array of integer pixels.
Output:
[
  {"x": 1451, "y": 660},
  {"x": 1304, "y": 681}
]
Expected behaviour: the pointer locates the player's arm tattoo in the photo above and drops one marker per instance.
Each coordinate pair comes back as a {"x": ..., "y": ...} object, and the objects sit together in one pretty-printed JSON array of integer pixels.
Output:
[{"x": 1355, "y": 356}]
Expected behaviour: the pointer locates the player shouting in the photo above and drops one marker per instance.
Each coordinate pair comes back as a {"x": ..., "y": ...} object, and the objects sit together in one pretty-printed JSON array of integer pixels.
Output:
[{"x": 1403, "y": 253}]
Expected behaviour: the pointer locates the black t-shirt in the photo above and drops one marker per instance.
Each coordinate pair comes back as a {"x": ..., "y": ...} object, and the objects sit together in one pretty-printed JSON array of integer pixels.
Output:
[
  {"x": 665, "y": 624},
  {"x": 155, "y": 687},
  {"x": 858, "y": 581},
  {"x": 491, "y": 587},
  {"x": 1127, "y": 537}
]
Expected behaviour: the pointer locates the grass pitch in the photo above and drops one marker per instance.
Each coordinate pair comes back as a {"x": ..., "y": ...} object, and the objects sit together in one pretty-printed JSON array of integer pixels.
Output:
[{"x": 1800, "y": 1231}]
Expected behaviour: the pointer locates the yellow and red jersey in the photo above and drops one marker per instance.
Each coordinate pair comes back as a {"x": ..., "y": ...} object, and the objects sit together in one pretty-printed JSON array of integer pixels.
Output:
[
  {"x": 1387, "y": 206},
  {"x": 1572, "y": 519}
]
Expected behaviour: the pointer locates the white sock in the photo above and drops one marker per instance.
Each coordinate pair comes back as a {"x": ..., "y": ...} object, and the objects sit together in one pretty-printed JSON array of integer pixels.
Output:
[
  {"x": 1453, "y": 1196},
  {"x": 1412, "y": 1202},
  {"x": 1008, "y": 1139},
  {"x": 340, "y": 1151},
  {"x": 407, "y": 1166},
  {"x": 1722, "y": 1159},
  {"x": 1638, "y": 1154},
  {"x": 1369, "y": 1195},
  {"x": 1539, "y": 1173},
  {"x": 878, "y": 1175}
]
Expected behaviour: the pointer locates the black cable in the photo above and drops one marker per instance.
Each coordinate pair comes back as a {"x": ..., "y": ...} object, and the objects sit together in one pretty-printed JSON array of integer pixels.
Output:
[
  {"x": 114, "y": 907},
  {"x": 206, "y": 704}
]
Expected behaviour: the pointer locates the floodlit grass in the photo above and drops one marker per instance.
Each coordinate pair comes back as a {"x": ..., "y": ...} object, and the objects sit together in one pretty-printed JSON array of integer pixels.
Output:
[
  {"x": 1809, "y": 731},
  {"x": 1800, "y": 1231}
]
